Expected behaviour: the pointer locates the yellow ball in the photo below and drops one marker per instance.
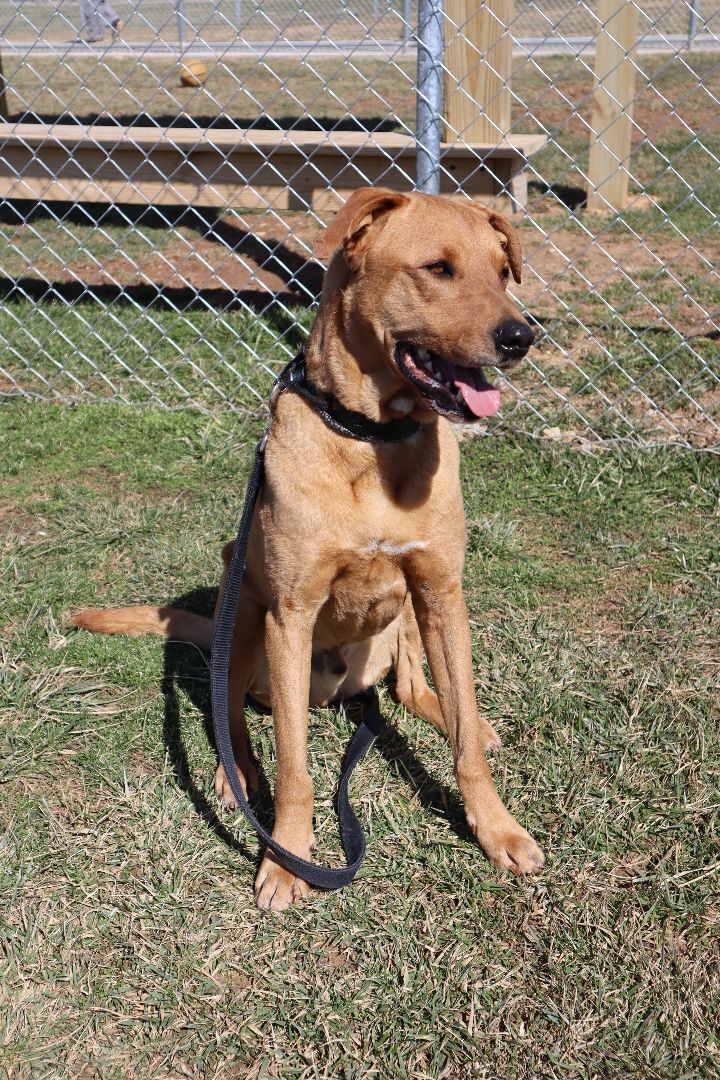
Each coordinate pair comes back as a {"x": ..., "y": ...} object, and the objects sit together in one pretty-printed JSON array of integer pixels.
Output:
[{"x": 192, "y": 73}]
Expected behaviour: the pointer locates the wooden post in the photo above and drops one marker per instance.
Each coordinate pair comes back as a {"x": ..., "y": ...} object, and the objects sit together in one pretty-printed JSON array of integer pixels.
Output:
[
  {"x": 478, "y": 59},
  {"x": 3, "y": 93},
  {"x": 612, "y": 105}
]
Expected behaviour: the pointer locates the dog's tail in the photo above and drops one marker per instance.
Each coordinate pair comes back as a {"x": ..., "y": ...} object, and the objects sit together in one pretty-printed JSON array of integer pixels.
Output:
[{"x": 164, "y": 621}]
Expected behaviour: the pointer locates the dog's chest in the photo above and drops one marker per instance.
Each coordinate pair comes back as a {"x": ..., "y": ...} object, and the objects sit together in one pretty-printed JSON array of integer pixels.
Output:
[
  {"x": 369, "y": 590},
  {"x": 391, "y": 549}
]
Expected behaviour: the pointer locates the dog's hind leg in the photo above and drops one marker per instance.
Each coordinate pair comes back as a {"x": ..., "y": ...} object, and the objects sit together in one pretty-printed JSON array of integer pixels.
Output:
[{"x": 411, "y": 688}]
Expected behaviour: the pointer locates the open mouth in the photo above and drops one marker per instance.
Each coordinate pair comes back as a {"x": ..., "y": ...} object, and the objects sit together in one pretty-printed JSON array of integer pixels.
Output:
[{"x": 458, "y": 393}]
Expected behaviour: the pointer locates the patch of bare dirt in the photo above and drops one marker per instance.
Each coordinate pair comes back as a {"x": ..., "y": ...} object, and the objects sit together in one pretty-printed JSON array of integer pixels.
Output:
[
  {"x": 568, "y": 260},
  {"x": 202, "y": 265},
  {"x": 688, "y": 106},
  {"x": 16, "y": 523}
]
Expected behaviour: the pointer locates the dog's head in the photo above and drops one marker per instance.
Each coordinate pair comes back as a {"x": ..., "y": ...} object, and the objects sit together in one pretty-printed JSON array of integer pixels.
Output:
[{"x": 423, "y": 283}]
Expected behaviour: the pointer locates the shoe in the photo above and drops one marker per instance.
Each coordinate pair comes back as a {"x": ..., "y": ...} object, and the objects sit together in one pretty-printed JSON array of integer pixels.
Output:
[{"x": 117, "y": 27}]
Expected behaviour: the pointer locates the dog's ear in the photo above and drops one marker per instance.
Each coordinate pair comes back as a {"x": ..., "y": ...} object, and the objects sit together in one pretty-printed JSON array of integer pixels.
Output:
[
  {"x": 350, "y": 224},
  {"x": 511, "y": 242}
]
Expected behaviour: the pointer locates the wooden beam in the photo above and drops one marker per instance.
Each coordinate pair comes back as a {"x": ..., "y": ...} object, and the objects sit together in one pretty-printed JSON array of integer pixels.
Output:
[
  {"x": 612, "y": 105},
  {"x": 478, "y": 62},
  {"x": 226, "y": 168}
]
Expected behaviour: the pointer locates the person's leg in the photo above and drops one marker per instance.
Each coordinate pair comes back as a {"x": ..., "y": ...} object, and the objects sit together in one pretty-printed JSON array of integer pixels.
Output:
[
  {"x": 110, "y": 16},
  {"x": 93, "y": 24},
  {"x": 107, "y": 12}
]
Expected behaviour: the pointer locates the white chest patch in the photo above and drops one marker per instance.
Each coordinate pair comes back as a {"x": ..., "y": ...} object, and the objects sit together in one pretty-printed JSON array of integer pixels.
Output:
[
  {"x": 385, "y": 547},
  {"x": 402, "y": 403}
]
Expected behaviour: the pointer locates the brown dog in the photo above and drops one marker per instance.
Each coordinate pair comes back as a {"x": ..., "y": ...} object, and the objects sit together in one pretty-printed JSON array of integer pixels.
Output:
[{"x": 356, "y": 550}]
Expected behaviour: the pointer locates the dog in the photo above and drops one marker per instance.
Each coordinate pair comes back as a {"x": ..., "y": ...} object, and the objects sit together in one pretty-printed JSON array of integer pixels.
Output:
[{"x": 356, "y": 550}]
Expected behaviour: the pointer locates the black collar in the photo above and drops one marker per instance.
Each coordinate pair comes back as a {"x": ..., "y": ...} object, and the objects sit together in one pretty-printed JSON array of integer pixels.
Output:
[{"x": 343, "y": 421}]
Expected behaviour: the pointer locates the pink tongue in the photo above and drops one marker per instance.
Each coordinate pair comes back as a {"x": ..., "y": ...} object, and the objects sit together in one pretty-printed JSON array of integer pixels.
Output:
[{"x": 482, "y": 401}]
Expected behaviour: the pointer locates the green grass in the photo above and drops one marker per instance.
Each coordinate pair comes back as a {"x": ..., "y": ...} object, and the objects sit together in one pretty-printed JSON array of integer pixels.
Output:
[
  {"x": 131, "y": 945},
  {"x": 157, "y": 354},
  {"x": 141, "y": 354}
]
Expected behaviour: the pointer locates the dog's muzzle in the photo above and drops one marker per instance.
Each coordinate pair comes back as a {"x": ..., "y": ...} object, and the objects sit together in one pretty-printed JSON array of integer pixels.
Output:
[{"x": 513, "y": 338}]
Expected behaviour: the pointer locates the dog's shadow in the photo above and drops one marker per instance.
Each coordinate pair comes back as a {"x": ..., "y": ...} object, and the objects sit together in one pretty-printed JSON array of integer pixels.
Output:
[{"x": 186, "y": 673}]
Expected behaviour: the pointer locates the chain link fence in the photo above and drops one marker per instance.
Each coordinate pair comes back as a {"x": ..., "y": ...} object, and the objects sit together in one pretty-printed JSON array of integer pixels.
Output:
[{"x": 160, "y": 190}]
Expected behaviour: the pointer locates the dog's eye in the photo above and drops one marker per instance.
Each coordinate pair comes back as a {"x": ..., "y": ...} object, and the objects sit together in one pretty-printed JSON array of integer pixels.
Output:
[
  {"x": 505, "y": 273},
  {"x": 440, "y": 268}
]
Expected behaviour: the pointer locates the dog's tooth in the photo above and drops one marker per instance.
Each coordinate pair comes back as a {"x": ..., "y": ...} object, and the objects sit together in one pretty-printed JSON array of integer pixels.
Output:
[
  {"x": 458, "y": 395},
  {"x": 423, "y": 355}
]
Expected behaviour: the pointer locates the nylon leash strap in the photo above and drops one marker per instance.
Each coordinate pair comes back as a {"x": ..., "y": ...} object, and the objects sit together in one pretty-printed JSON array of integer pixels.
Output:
[{"x": 351, "y": 425}]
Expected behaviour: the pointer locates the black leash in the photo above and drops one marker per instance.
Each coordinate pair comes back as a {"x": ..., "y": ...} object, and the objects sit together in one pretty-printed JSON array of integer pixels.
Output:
[{"x": 352, "y": 425}]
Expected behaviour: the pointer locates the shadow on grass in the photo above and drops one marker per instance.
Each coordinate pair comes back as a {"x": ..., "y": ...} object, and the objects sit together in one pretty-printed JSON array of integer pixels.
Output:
[
  {"x": 186, "y": 672},
  {"x": 163, "y": 121},
  {"x": 272, "y": 306},
  {"x": 301, "y": 276},
  {"x": 570, "y": 195}
]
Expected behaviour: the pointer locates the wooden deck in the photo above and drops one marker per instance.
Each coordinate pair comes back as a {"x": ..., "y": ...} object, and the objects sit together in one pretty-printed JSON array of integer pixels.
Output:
[{"x": 248, "y": 169}]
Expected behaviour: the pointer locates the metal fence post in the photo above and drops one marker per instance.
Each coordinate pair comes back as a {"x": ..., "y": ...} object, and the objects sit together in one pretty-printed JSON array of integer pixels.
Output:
[
  {"x": 693, "y": 24},
  {"x": 429, "y": 95},
  {"x": 405, "y": 22},
  {"x": 180, "y": 9}
]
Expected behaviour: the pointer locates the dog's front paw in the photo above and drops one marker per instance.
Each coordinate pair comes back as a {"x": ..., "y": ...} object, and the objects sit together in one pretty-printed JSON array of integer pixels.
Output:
[
  {"x": 489, "y": 736},
  {"x": 508, "y": 846},
  {"x": 276, "y": 889},
  {"x": 248, "y": 782}
]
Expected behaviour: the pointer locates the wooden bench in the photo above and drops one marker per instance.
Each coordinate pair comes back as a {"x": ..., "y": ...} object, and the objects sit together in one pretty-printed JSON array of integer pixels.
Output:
[{"x": 248, "y": 169}]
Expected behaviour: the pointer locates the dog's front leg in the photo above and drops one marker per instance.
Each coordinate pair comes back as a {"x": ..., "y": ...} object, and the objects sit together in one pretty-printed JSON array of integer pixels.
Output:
[
  {"x": 288, "y": 644},
  {"x": 444, "y": 627}
]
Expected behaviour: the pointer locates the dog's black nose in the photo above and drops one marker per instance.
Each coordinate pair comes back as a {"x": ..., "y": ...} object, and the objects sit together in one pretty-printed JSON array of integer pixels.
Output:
[{"x": 514, "y": 338}]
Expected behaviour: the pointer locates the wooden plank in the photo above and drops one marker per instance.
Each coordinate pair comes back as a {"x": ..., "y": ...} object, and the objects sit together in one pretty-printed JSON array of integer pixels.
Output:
[
  {"x": 478, "y": 62},
  {"x": 341, "y": 143},
  {"x": 139, "y": 166},
  {"x": 612, "y": 105},
  {"x": 218, "y": 195}
]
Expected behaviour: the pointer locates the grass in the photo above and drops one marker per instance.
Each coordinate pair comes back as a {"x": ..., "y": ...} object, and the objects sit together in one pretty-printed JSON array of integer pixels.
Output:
[
  {"x": 177, "y": 352},
  {"x": 131, "y": 945},
  {"x": 144, "y": 354}
]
